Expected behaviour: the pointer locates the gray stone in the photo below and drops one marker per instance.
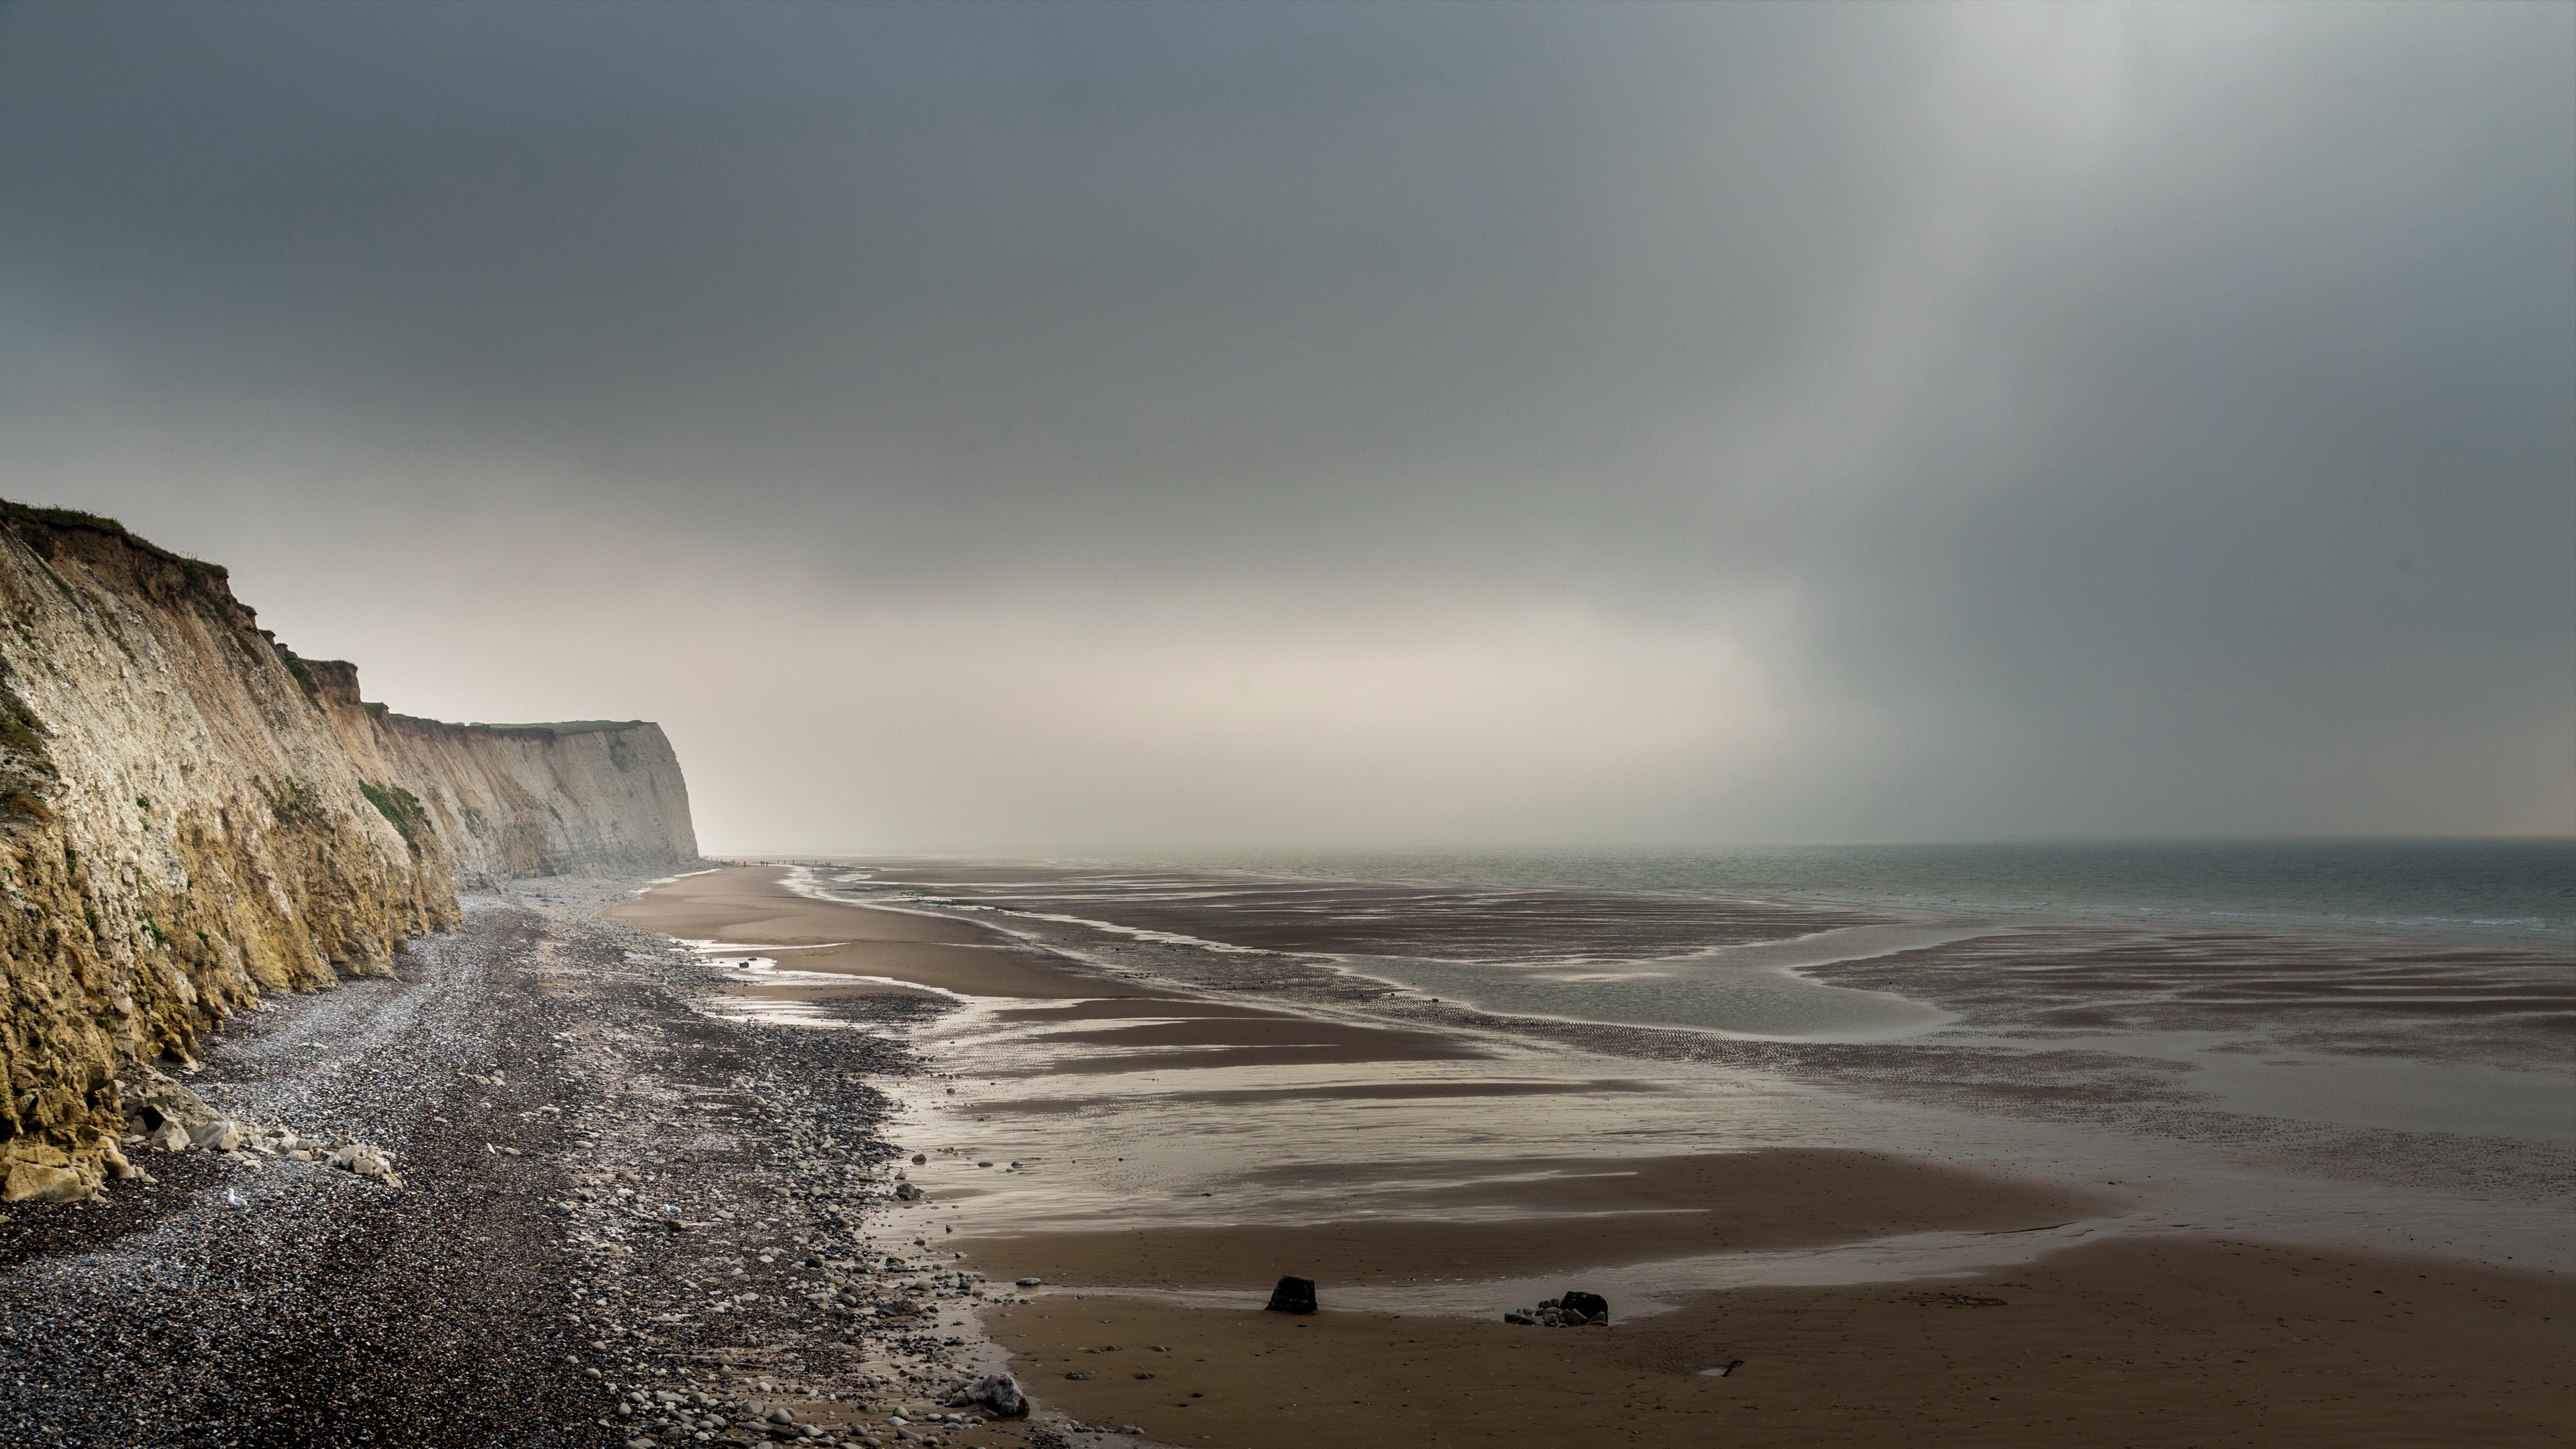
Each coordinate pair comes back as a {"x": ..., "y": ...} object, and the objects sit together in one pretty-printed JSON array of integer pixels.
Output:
[
  {"x": 163, "y": 1100},
  {"x": 1000, "y": 1394},
  {"x": 222, "y": 1135},
  {"x": 366, "y": 1160}
]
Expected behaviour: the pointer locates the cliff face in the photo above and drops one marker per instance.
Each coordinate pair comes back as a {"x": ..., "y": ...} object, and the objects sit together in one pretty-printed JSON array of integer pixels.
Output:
[
  {"x": 190, "y": 816},
  {"x": 516, "y": 800}
]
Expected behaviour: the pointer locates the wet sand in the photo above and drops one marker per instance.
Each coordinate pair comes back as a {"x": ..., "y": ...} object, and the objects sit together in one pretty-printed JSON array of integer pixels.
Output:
[
  {"x": 1519, "y": 1217},
  {"x": 1371, "y": 1092},
  {"x": 2141, "y": 1342},
  {"x": 2164, "y": 1339},
  {"x": 751, "y": 907}
]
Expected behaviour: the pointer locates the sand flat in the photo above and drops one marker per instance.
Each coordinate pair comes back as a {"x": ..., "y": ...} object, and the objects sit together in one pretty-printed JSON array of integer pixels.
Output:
[
  {"x": 2147, "y": 1342},
  {"x": 1506, "y": 1218},
  {"x": 1338, "y": 1092},
  {"x": 2157, "y": 1337},
  {"x": 1359, "y": 1050},
  {"x": 751, "y": 905}
]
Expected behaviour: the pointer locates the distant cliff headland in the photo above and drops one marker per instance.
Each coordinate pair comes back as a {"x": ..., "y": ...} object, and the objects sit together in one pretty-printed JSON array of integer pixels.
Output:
[{"x": 191, "y": 815}]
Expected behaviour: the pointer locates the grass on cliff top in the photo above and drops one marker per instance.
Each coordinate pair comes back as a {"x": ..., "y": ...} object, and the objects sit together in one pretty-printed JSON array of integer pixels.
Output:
[
  {"x": 25, "y": 514},
  {"x": 568, "y": 727}
]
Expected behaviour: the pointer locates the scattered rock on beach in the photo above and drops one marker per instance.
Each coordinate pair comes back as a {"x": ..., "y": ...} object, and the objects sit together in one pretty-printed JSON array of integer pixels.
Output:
[
  {"x": 221, "y": 1135},
  {"x": 1000, "y": 1394},
  {"x": 1293, "y": 1295},
  {"x": 366, "y": 1160},
  {"x": 1584, "y": 1308},
  {"x": 1573, "y": 1310}
]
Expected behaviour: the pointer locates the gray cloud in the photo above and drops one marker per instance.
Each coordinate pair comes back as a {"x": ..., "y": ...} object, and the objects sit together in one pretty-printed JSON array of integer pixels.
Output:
[{"x": 1560, "y": 420}]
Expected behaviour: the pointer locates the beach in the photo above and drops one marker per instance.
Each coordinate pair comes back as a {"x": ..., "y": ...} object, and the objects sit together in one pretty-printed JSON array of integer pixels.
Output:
[
  {"x": 614, "y": 1218},
  {"x": 1795, "y": 1252}
]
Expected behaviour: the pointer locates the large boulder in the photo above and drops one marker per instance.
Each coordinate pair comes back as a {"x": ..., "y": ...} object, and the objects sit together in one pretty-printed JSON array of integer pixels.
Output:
[
  {"x": 163, "y": 1099},
  {"x": 36, "y": 1182}
]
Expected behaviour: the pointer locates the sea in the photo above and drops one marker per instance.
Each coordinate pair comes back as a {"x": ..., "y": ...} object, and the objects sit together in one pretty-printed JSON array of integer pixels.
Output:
[
  {"x": 2277, "y": 1024},
  {"x": 2508, "y": 887},
  {"x": 1745, "y": 939}
]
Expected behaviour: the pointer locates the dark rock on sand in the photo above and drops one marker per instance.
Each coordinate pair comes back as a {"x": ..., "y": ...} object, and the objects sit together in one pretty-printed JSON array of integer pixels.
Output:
[
  {"x": 1293, "y": 1295},
  {"x": 1573, "y": 1310}
]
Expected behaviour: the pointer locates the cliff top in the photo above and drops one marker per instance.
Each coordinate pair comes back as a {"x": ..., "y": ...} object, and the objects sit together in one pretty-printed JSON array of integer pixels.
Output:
[
  {"x": 320, "y": 677},
  {"x": 570, "y": 726},
  {"x": 26, "y": 514}
]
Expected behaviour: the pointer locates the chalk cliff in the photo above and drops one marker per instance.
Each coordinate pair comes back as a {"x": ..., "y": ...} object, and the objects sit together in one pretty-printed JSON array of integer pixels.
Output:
[
  {"x": 191, "y": 816},
  {"x": 518, "y": 800}
]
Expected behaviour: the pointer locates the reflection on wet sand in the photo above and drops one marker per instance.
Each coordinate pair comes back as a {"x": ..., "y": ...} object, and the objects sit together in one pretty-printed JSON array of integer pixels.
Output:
[
  {"x": 1362, "y": 1225},
  {"x": 748, "y": 907},
  {"x": 1163, "y": 1151},
  {"x": 1339, "y": 1092}
]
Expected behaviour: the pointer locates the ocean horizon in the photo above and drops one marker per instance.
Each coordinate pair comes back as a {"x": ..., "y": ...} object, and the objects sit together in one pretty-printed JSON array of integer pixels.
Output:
[{"x": 2518, "y": 884}]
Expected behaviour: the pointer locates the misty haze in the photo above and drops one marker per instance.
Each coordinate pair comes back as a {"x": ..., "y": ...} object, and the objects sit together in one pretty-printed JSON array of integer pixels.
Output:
[{"x": 1136, "y": 724}]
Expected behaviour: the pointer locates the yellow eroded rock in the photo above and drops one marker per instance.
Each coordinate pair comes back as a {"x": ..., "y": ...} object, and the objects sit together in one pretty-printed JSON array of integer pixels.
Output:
[
  {"x": 191, "y": 816},
  {"x": 32, "y": 1182}
]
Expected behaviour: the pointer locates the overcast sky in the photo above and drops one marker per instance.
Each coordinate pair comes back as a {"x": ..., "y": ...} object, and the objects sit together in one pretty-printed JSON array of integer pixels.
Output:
[{"x": 1092, "y": 425}]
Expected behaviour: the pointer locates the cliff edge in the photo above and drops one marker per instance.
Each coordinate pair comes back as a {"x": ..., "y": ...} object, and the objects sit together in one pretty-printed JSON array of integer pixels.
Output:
[
  {"x": 519, "y": 800},
  {"x": 190, "y": 816}
]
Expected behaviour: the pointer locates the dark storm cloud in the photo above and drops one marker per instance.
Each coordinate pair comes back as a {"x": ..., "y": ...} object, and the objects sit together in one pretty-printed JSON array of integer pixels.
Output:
[{"x": 2087, "y": 419}]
